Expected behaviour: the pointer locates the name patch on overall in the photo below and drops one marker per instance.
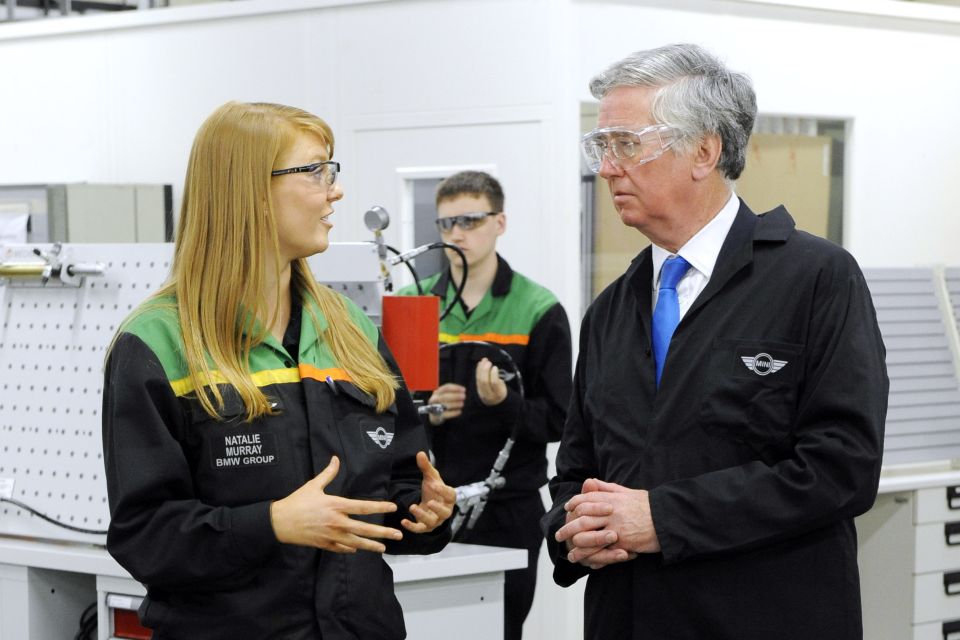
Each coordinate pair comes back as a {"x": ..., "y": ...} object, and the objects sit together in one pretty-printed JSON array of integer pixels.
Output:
[{"x": 243, "y": 450}]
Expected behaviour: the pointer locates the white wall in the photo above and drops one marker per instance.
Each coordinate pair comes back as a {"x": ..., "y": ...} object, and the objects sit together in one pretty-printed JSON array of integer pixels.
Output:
[
  {"x": 415, "y": 83},
  {"x": 403, "y": 84}
]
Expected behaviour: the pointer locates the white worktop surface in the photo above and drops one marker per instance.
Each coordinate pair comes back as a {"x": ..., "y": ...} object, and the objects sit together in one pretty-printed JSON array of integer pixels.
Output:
[
  {"x": 455, "y": 560},
  {"x": 918, "y": 476}
]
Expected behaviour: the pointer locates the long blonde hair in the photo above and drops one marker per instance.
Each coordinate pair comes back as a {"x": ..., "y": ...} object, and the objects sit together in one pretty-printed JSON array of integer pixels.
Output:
[{"x": 226, "y": 224}]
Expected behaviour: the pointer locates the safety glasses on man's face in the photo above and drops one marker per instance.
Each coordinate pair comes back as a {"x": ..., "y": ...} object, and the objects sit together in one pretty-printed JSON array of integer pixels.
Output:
[
  {"x": 627, "y": 148},
  {"x": 465, "y": 221}
]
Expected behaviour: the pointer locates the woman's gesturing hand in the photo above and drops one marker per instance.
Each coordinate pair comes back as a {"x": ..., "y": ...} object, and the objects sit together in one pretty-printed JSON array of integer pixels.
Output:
[
  {"x": 310, "y": 517},
  {"x": 436, "y": 499}
]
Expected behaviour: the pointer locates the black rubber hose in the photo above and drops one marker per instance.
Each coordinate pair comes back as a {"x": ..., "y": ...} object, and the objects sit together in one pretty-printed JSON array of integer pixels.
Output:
[
  {"x": 44, "y": 516},
  {"x": 413, "y": 272},
  {"x": 458, "y": 294}
]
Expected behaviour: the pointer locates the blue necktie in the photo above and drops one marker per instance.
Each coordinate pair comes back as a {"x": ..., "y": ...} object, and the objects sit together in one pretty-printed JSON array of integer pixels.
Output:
[{"x": 666, "y": 316}]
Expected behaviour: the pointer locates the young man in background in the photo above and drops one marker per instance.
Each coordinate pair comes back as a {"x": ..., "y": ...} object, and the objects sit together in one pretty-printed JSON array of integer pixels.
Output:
[{"x": 521, "y": 318}]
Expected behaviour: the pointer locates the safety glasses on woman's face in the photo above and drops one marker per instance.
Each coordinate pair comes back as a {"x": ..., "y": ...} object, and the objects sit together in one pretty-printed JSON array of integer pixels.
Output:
[
  {"x": 465, "y": 221},
  {"x": 627, "y": 148},
  {"x": 325, "y": 172}
]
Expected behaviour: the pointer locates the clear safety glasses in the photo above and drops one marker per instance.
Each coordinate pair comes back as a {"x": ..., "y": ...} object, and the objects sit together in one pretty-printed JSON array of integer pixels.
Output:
[
  {"x": 325, "y": 172},
  {"x": 465, "y": 221},
  {"x": 627, "y": 148}
]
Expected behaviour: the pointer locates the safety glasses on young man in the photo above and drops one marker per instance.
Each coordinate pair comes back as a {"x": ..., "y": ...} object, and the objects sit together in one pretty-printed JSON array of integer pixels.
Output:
[
  {"x": 627, "y": 148},
  {"x": 325, "y": 172},
  {"x": 465, "y": 221}
]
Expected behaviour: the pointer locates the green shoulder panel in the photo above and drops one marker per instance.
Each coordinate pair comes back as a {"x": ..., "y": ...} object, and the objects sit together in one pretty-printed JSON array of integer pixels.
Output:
[
  {"x": 157, "y": 324},
  {"x": 522, "y": 309},
  {"x": 529, "y": 300},
  {"x": 426, "y": 285},
  {"x": 314, "y": 351}
]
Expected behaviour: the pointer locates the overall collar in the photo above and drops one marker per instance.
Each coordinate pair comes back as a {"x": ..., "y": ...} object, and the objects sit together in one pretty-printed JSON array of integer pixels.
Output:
[
  {"x": 308, "y": 331},
  {"x": 499, "y": 288},
  {"x": 444, "y": 288},
  {"x": 747, "y": 231},
  {"x": 702, "y": 250}
]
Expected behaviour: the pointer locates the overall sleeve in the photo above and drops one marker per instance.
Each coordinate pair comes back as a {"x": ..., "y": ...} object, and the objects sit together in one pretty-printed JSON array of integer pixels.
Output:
[
  {"x": 576, "y": 461},
  {"x": 159, "y": 531},
  {"x": 546, "y": 381},
  {"x": 832, "y": 467},
  {"x": 406, "y": 477}
]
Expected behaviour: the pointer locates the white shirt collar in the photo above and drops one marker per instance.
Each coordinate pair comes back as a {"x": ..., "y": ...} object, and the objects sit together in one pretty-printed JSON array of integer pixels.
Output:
[{"x": 702, "y": 250}]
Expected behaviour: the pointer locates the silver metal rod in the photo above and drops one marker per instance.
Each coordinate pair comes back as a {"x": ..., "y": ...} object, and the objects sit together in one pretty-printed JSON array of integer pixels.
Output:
[{"x": 86, "y": 269}]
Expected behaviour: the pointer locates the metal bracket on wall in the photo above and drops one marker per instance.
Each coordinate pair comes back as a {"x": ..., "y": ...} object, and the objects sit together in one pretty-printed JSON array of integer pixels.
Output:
[{"x": 22, "y": 266}]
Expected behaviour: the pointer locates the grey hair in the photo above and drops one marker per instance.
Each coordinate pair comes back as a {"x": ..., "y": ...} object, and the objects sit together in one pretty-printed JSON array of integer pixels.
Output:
[{"x": 697, "y": 94}]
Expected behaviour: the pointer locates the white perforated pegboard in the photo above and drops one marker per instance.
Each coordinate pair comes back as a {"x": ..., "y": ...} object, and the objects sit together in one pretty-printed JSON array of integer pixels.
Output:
[{"x": 53, "y": 340}]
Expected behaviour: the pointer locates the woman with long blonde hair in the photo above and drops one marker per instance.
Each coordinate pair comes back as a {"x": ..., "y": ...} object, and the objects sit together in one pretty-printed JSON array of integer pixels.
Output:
[{"x": 261, "y": 449}]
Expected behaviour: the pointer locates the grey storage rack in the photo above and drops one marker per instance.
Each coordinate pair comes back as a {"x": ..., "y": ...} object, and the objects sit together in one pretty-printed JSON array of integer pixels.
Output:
[
  {"x": 923, "y": 418},
  {"x": 951, "y": 276}
]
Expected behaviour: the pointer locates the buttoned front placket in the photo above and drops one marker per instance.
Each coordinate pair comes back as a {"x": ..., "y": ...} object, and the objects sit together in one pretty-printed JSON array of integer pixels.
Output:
[{"x": 477, "y": 316}]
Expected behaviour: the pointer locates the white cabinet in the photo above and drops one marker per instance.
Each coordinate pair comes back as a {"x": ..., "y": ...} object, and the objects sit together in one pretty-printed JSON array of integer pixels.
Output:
[
  {"x": 42, "y": 603},
  {"x": 910, "y": 564},
  {"x": 44, "y": 587}
]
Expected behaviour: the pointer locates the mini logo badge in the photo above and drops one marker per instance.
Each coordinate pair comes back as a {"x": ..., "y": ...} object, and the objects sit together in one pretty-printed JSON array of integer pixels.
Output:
[
  {"x": 763, "y": 364},
  {"x": 381, "y": 437}
]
